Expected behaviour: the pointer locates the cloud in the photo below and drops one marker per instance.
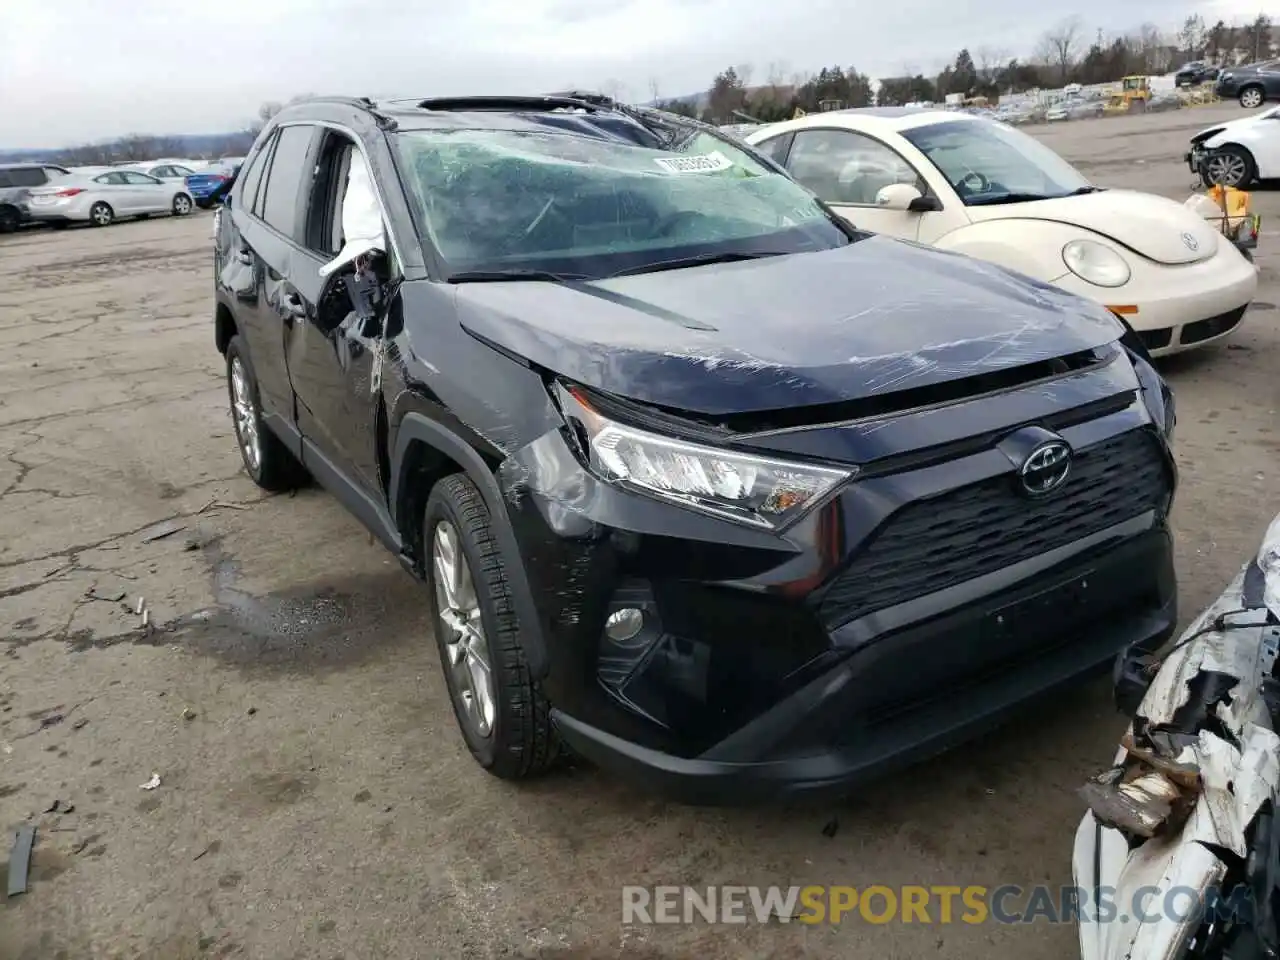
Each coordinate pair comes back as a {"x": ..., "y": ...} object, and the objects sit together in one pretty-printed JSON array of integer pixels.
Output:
[{"x": 78, "y": 70}]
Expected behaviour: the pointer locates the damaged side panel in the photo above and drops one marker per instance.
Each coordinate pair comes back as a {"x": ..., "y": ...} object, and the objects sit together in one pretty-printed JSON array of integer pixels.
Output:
[{"x": 1189, "y": 802}]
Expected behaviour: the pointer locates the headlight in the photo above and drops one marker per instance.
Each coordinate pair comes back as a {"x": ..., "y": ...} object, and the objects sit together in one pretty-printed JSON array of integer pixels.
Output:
[
  {"x": 755, "y": 490},
  {"x": 1098, "y": 264}
]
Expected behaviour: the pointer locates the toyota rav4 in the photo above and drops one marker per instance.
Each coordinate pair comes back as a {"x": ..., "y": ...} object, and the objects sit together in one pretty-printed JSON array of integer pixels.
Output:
[{"x": 705, "y": 484}]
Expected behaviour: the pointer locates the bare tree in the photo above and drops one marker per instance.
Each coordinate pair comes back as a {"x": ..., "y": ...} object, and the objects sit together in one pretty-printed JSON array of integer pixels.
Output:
[
  {"x": 991, "y": 62},
  {"x": 1059, "y": 45},
  {"x": 744, "y": 72},
  {"x": 655, "y": 94}
]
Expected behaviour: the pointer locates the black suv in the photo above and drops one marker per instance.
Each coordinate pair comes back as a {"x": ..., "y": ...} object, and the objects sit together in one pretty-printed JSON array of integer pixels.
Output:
[
  {"x": 706, "y": 485},
  {"x": 16, "y": 180},
  {"x": 1195, "y": 73}
]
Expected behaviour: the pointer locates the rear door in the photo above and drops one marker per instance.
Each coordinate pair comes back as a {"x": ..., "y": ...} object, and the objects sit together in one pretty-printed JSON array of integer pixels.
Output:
[
  {"x": 267, "y": 219},
  {"x": 114, "y": 190}
]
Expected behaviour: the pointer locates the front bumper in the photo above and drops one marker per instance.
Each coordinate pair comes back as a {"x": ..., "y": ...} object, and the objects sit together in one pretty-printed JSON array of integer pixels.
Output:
[
  {"x": 827, "y": 737},
  {"x": 883, "y": 628},
  {"x": 1183, "y": 307}
]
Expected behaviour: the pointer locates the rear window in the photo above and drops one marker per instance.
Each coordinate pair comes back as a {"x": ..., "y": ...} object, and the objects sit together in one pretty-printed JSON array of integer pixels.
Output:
[
  {"x": 288, "y": 168},
  {"x": 26, "y": 177}
]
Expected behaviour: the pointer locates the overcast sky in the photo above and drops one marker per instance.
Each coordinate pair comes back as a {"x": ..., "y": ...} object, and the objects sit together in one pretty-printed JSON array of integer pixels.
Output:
[{"x": 72, "y": 71}]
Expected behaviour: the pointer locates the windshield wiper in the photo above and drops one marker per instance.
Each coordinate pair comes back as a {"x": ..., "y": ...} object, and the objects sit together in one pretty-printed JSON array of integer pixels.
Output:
[
  {"x": 984, "y": 201},
  {"x": 497, "y": 276},
  {"x": 699, "y": 260}
]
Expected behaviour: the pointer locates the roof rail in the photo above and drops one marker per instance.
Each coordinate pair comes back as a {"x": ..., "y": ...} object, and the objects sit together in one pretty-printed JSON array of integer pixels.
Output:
[
  {"x": 551, "y": 102},
  {"x": 365, "y": 102}
]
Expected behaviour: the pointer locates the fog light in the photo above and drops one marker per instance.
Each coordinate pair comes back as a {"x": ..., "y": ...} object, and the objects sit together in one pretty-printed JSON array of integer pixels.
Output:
[{"x": 623, "y": 625}]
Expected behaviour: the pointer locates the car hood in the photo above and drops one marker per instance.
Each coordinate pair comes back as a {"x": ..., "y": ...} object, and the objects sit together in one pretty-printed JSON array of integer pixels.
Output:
[
  {"x": 1155, "y": 227},
  {"x": 1252, "y": 120},
  {"x": 872, "y": 318}
]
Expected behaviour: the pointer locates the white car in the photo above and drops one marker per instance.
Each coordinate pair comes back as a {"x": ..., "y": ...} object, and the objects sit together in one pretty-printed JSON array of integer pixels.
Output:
[
  {"x": 165, "y": 170},
  {"x": 1238, "y": 152},
  {"x": 1180, "y": 833},
  {"x": 978, "y": 187},
  {"x": 106, "y": 197}
]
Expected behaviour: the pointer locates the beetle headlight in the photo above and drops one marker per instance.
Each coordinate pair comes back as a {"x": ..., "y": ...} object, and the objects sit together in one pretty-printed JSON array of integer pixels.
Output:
[
  {"x": 1096, "y": 263},
  {"x": 756, "y": 490}
]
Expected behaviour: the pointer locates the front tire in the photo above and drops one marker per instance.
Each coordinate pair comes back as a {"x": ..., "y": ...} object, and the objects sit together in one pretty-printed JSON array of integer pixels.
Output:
[
  {"x": 1252, "y": 97},
  {"x": 9, "y": 219},
  {"x": 1230, "y": 166},
  {"x": 101, "y": 214},
  {"x": 504, "y": 717},
  {"x": 266, "y": 459},
  {"x": 181, "y": 205}
]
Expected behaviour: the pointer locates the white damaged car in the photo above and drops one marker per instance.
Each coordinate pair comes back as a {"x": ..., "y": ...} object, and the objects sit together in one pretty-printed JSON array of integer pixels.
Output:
[
  {"x": 1179, "y": 853},
  {"x": 1238, "y": 152},
  {"x": 979, "y": 187}
]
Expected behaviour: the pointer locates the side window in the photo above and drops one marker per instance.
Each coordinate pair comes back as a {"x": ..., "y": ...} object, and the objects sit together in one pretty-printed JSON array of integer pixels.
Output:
[
  {"x": 775, "y": 148},
  {"x": 844, "y": 167},
  {"x": 115, "y": 179},
  {"x": 139, "y": 179},
  {"x": 284, "y": 182},
  {"x": 6, "y": 179},
  {"x": 324, "y": 208},
  {"x": 246, "y": 188},
  {"x": 27, "y": 177}
]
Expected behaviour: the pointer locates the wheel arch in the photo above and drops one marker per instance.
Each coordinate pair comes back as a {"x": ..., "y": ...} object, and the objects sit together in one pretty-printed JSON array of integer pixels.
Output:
[
  {"x": 424, "y": 452},
  {"x": 224, "y": 327}
]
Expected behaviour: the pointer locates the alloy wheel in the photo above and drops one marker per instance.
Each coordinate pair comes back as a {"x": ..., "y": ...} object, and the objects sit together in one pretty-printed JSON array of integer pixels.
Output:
[
  {"x": 181, "y": 205},
  {"x": 1251, "y": 98},
  {"x": 245, "y": 416},
  {"x": 101, "y": 214},
  {"x": 466, "y": 648},
  {"x": 1227, "y": 169}
]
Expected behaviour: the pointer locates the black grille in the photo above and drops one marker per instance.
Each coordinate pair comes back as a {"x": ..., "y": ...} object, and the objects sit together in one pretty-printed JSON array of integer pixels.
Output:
[
  {"x": 975, "y": 530},
  {"x": 1214, "y": 326}
]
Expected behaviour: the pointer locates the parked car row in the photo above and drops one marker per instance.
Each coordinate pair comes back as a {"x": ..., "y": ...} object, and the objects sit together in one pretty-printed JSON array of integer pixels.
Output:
[{"x": 58, "y": 195}]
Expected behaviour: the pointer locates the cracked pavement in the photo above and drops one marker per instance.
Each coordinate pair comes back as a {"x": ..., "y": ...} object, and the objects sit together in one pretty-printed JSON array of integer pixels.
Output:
[{"x": 316, "y": 800}]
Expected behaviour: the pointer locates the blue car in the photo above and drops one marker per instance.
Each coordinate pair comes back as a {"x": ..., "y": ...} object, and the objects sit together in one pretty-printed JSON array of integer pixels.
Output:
[{"x": 207, "y": 189}]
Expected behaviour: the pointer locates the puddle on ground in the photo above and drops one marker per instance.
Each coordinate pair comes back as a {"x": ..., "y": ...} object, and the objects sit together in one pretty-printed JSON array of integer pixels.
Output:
[{"x": 330, "y": 623}]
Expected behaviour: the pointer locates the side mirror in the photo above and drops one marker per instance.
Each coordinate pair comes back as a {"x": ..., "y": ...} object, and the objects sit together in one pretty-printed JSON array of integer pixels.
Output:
[{"x": 903, "y": 196}]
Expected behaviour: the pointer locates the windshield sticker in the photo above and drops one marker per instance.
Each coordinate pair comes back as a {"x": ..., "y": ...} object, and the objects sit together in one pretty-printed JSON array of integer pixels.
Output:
[{"x": 713, "y": 162}]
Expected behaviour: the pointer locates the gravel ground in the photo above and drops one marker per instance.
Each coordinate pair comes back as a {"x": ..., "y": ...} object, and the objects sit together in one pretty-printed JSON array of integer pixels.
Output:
[{"x": 316, "y": 800}]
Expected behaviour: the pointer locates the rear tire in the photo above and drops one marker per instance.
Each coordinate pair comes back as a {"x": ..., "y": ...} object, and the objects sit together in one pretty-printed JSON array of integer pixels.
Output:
[
  {"x": 181, "y": 205},
  {"x": 101, "y": 214},
  {"x": 266, "y": 459},
  {"x": 1252, "y": 97},
  {"x": 9, "y": 219},
  {"x": 508, "y": 727}
]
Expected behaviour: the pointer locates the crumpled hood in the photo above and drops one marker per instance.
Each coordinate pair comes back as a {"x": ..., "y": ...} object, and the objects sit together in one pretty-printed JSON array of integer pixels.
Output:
[
  {"x": 875, "y": 317},
  {"x": 1152, "y": 226}
]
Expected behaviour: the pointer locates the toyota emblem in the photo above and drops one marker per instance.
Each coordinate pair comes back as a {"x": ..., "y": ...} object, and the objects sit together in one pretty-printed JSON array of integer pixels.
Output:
[
  {"x": 1192, "y": 243},
  {"x": 1045, "y": 469}
]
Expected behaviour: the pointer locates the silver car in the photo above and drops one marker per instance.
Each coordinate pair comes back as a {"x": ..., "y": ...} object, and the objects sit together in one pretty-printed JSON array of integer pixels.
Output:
[{"x": 104, "y": 198}]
